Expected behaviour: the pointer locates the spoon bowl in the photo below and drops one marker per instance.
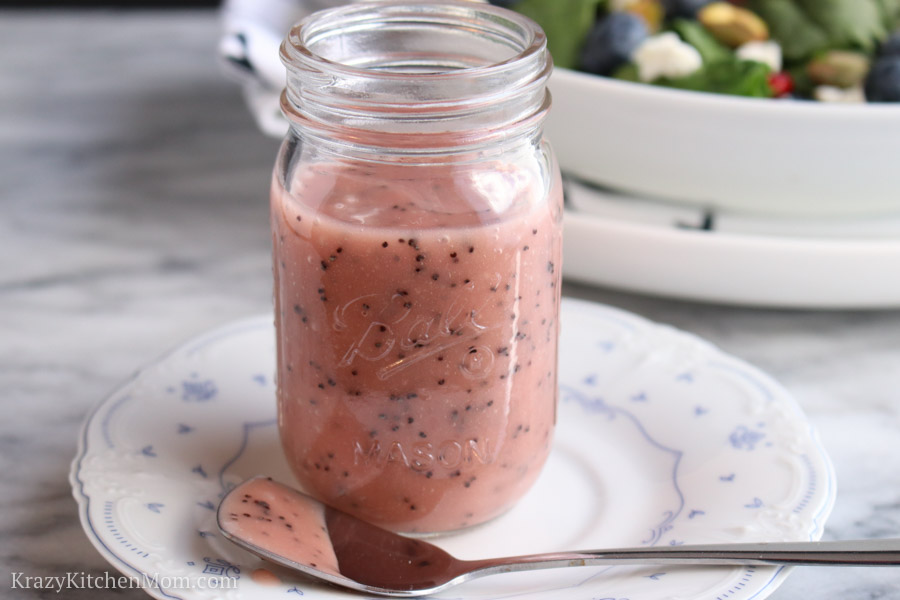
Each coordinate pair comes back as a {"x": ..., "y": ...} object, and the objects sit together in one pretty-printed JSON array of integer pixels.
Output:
[{"x": 291, "y": 529}]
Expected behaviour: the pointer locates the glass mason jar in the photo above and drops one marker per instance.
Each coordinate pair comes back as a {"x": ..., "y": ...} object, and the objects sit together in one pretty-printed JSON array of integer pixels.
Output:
[{"x": 416, "y": 217}]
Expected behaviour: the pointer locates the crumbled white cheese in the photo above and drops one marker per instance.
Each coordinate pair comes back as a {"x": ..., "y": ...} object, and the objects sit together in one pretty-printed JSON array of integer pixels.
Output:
[
  {"x": 830, "y": 93},
  {"x": 665, "y": 55},
  {"x": 767, "y": 53}
]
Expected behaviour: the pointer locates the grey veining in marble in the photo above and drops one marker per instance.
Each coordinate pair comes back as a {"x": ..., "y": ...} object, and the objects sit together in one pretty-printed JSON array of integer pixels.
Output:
[{"x": 133, "y": 191}]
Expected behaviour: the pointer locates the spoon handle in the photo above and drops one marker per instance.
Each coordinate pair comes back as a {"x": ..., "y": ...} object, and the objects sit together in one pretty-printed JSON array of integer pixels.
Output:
[{"x": 873, "y": 553}]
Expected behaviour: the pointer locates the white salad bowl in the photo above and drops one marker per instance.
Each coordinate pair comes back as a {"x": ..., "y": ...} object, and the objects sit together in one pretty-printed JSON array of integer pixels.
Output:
[{"x": 762, "y": 156}]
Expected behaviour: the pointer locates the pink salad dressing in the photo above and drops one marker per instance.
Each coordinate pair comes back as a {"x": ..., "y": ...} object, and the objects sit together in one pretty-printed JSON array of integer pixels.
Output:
[
  {"x": 274, "y": 517},
  {"x": 416, "y": 310},
  {"x": 265, "y": 577}
]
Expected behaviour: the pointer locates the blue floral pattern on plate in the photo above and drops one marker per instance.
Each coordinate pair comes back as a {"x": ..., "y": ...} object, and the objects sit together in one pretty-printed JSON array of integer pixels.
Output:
[{"x": 661, "y": 440}]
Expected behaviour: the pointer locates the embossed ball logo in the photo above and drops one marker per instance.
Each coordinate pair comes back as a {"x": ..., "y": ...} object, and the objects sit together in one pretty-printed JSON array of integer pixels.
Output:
[{"x": 392, "y": 323}]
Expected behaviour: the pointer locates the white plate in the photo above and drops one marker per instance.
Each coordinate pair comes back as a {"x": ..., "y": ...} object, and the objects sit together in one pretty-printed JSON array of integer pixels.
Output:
[
  {"x": 662, "y": 439},
  {"x": 746, "y": 154},
  {"x": 686, "y": 252}
]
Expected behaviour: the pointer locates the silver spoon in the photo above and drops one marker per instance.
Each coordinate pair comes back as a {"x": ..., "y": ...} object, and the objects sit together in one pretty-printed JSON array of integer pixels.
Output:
[{"x": 296, "y": 531}]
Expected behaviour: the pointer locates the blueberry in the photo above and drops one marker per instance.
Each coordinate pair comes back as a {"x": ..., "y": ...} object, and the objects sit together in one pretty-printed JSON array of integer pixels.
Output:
[
  {"x": 883, "y": 81},
  {"x": 891, "y": 46},
  {"x": 611, "y": 41},
  {"x": 683, "y": 8}
]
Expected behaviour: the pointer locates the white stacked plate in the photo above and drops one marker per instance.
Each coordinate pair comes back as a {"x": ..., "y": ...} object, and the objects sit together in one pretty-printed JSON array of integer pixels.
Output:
[{"x": 735, "y": 200}]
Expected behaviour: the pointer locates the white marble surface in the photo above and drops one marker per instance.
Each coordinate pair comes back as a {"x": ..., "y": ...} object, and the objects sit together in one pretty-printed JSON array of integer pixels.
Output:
[{"x": 133, "y": 190}]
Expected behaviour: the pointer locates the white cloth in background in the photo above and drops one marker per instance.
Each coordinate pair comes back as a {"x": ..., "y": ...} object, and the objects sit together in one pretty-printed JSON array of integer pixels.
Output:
[{"x": 252, "y": 33}]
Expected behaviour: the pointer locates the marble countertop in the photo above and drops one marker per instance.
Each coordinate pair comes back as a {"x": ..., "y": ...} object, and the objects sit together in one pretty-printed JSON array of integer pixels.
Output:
[{"x": 133, "y": 191}]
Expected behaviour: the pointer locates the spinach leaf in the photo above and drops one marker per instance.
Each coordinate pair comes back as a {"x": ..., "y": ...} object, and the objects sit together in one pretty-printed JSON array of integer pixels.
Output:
[
  {"x": 890, "y": 13},
  {"x": 627, "y": 72},
  {"x": 732, "y": 77},
  {"x": 803, "y": 83},
  {"x": 848, "y": 23},
  {"x": 566, "y": 23},
  {"x": 697, "y": 36},
  {"x": 799, "y": 36},
  {"x": 806, "y": 27}
]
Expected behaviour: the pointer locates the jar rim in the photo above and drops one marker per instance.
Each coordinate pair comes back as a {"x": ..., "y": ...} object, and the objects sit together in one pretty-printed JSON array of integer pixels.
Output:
[
  {"x": 417, "y": 74},
  {"x": 296, "y": 45}
]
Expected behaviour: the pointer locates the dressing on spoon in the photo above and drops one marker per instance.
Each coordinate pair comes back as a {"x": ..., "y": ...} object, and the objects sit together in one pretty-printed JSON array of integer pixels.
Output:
[
  {"x": 287, "y": 527},
  {"x": 291, "y": 529},
  {"x": 280, "y": 520}
]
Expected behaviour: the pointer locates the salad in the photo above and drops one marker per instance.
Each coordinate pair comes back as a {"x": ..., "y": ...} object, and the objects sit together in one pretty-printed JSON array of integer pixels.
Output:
[{"x": 827, "y": 50}]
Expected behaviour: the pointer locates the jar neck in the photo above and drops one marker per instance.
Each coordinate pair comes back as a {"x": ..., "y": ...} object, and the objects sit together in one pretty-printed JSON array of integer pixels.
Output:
[{"x": 417, "y": 78}]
